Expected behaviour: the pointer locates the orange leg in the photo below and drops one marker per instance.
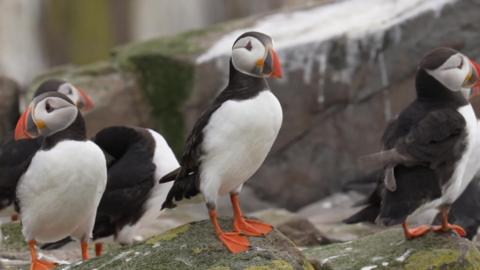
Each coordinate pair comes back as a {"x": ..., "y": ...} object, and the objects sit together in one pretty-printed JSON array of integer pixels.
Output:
[
  {"x": 445, "y": 227},
  {"x": 38, "y": 264},
  {"x": 247, "y": 226},
  {"x": 84, "y": 246},
  {"x": 232, "y": 240},
  {"x": 415, "y": 232},
  {"x": 98, "y": 249}
]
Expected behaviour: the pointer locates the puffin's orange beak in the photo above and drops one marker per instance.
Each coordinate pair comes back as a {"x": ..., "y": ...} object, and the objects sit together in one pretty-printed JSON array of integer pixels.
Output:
[
  {"x": 476, "y": 87},
  {"x": 86, "y": 102},
  {"x": 276, "y": 66},
  {"x": 25, "y": 123}
]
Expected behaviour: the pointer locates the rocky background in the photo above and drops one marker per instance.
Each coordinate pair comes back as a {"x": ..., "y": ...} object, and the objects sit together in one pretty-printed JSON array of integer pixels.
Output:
[{"x": 349, "y": 68}]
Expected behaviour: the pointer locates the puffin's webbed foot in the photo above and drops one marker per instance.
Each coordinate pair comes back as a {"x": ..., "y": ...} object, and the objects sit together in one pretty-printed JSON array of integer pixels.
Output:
[{"x": 411, "y": 233}]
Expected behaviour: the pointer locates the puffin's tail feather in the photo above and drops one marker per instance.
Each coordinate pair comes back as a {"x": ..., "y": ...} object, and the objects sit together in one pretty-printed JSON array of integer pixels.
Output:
[
  {"x": 183, "y": 188},
  {"x": 169, "y": 177},
  {"x": 56, "y": 245}
]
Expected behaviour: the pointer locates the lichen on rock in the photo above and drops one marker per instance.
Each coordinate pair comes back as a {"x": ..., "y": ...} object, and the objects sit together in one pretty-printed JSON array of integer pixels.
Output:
[
  {"x": 195, "y": 246},
  {"x": 390, "y": 250}
]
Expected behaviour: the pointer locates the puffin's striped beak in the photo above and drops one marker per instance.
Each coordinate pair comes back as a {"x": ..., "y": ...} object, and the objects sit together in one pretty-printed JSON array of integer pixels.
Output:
[
  {"x": 475, "y": 73},
  {"x": 85, "y": 103},
  {"x": 26, "y": 127},
  {"x": 276, "y": 66}
]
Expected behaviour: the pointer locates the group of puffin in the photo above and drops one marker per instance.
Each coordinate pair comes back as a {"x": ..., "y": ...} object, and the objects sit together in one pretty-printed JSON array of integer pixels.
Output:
[{"x": 65, "y": 186}]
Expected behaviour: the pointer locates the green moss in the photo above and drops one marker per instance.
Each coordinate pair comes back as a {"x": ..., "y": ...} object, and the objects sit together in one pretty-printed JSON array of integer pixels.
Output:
[
  {"x": 271, "y": 252},
  {"x": 307, "y": 265},
  {"x": 432, "y": 259},
  {"x": 12, "y": 237},
  {"x": 170, "y": 235},
  {"x": 274, "y": 265},
  {"x": 430, "y": 252}
]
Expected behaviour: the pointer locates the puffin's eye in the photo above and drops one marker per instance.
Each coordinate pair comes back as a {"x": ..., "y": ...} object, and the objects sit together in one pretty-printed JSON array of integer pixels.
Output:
[
  {"x": 461, "y": 63},
  {"x": 69, "y": 92},
  {"x": 48, "y": 107},
  {"x": 249, "y": 46}
]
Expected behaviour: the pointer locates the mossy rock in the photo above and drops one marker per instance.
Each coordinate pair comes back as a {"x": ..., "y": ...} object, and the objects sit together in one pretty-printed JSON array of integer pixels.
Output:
[
  {"x": 12, "y": 237},
  {"x": 194, "y": 246},
  {"x": 390, "y": 250}
]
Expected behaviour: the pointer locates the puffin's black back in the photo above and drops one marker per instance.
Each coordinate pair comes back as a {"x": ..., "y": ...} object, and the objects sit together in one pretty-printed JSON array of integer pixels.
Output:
[{"x": 131, "y": 177}]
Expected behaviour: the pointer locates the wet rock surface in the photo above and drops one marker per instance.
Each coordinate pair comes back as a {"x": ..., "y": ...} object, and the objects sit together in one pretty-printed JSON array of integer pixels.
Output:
[{"x": 390, "y": 250}]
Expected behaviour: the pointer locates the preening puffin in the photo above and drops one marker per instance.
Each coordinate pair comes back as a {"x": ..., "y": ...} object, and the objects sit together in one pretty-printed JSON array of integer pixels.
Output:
[
  {"x": 137, "y": 158},
  {"x": 429, "y": 145},
  {"x": 61, "y": 187},
  {"x": 232, "y": 138},
  {"x": 14, "y": 154}
]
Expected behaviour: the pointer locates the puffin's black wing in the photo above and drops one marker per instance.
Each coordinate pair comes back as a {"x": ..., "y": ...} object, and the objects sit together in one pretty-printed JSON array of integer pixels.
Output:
[
  {"x": 186, "y": 177},
  {"x": 438, "y": 138},
  {"x": 130, "y": 179},
  {"x": 436, "y": 143},
  {"x": 15, "y": 157}
]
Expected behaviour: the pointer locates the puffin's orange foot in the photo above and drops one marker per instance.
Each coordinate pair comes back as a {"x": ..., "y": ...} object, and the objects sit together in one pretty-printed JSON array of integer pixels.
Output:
[
  {"x": 252, "y": 227},
  {"x": 42, "y": 265},
  {"x": 416, "y": 232},
  {"x": 450, "y": 227},
  {"x": 234, "y": 242}
]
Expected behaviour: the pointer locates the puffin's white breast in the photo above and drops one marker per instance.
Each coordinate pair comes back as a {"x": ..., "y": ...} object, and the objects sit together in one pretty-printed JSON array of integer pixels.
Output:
[
  {"x": 236, "y": 141},
  {"x": 61, "y": 189}
]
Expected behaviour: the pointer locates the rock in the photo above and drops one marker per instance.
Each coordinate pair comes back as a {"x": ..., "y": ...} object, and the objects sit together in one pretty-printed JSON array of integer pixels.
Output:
[
  {"x": 327, "y": 216},
  {"x": 303, "y": 233},
  {"x": 194, "y": 246},
  {"x": 390, "y": 250},
  {"x": 9, "y": 91}
]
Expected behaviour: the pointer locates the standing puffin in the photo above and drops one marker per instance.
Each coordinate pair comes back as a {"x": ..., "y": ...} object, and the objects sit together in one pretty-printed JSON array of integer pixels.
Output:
[
  {"x": 429, "y": 145},
  {"x": 15, "y": 153},
  {"x": 136, "y": 159},
  {"x": 232, "y": 138},
  {"x": 61, "y": 187}
]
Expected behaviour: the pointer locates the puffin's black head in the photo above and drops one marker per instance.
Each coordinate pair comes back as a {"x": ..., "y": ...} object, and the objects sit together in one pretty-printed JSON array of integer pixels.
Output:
[
  {"x": 47, "y": 114},
  {"x": 447, "y": 69},
  {"x": 77, "y": 95},
  {"x": 253, "y": 54}
]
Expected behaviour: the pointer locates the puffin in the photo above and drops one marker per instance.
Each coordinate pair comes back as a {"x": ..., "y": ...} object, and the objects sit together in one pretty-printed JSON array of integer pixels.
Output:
[
  {"x": 427, "y": 149},
  {"x": 232, "y": 138},
  {"x": 137, "y": 158},
  {"x": 14, "y": 153},
  {"x": 60, "y": 188}
]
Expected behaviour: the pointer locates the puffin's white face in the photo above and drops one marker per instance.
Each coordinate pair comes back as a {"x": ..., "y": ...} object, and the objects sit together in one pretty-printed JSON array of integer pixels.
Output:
[
  {"x": 46, "y": 115},
  {"x": 457, "y": 73},
  {"x": 79, "y": 98},
  {"x": 248, "y": 56},
  {"x": 253, "y": 54}
]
